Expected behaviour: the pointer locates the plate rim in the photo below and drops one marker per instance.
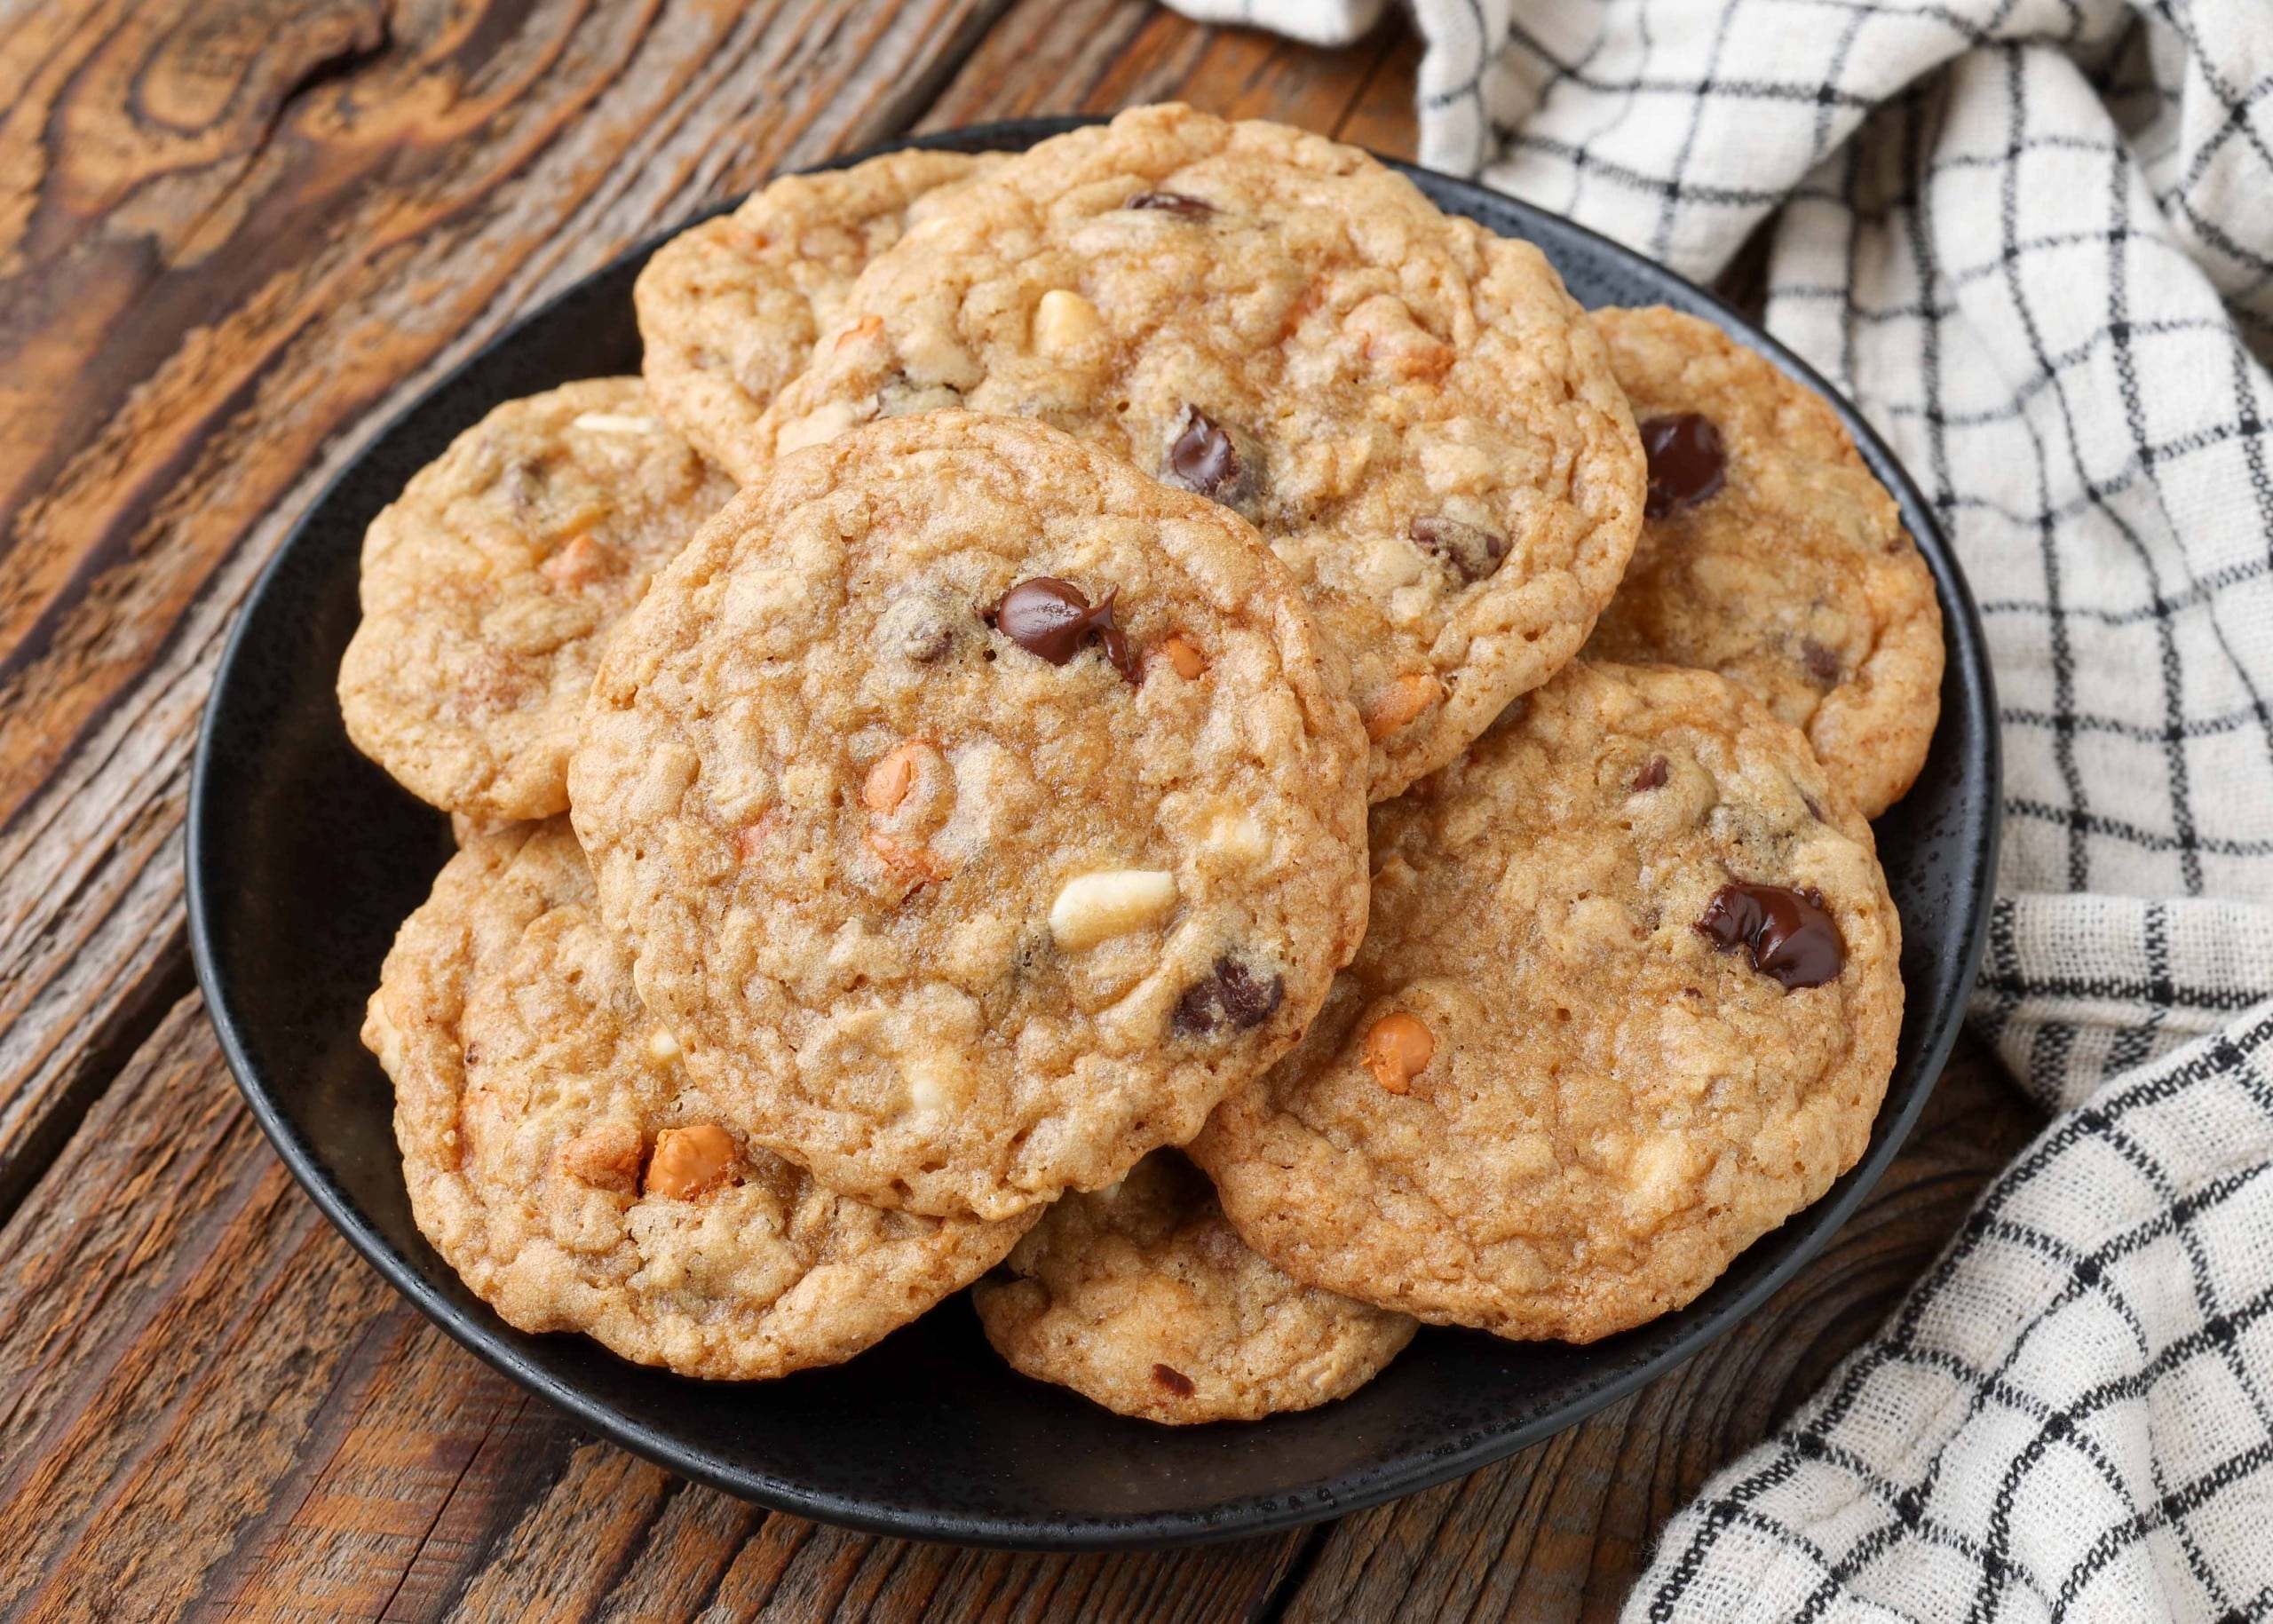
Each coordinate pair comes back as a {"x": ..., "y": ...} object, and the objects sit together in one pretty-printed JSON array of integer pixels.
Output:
[{"x": 1250, "y": 1516}]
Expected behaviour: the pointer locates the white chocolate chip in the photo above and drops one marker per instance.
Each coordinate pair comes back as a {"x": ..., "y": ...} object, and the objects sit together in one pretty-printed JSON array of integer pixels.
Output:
[
  {"x": 925, "y": 1089},
  {"x": 614, "y": 423},
  {"x": 826, "y": 424},
  {"x": 663, "y": 1045},
  {"x": 1094, "y": 908},
  {"x": 934, "y": 1083},
  {"x": 1064, "y": 320},
  {"x": 1237, "y": 839}
]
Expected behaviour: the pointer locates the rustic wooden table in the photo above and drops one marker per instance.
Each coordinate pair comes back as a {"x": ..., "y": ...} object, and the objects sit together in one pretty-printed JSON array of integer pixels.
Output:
[{"x": 234, "y": 236}]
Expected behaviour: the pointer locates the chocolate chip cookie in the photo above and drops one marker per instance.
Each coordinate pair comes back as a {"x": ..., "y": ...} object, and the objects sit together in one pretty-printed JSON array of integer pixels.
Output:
[
  {"x": 1144, "y": 1299},
  {"x": 562, "y": 1161},
  {"x": 1772, "y": 556},
  {"x": 729, "y": 309},
  {"x": 1628, "y": 1000},
  {"x": 980, "y": 811},
  {"x": 490, "y": 585},
  {"x": 1417, "y": 416}
]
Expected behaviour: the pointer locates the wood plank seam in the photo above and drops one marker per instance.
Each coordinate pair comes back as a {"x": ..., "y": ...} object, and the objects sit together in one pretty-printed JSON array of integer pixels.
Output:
[
  {"x": 527, "y": 1512},
  {"x": 103, "y": 1055},
  {"x": 555, "y": 258}
]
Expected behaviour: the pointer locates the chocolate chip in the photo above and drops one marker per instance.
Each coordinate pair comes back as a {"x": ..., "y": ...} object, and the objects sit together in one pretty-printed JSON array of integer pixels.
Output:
[
  {"x": 1181, "y": 204},
  {"x": 1687, "y": 462},
  {"x": 1821, "y": 663},
  {"x": 1653, "y": 776},
  {"x": 1790, "y": 934},
  {"x": 1233, "y": 995},
  {"x": 526, "y": 482},
  {"x": 1215, "y": 461},
  {"x": 900, "y": 395},
  {"x": 1472, "y": 551},
  {"x": 1054, "y": 619},
  {"x": 1174, "y": 1379},
  {"x": 927, "y": 642},
  {"x": 918, "y": 629}
]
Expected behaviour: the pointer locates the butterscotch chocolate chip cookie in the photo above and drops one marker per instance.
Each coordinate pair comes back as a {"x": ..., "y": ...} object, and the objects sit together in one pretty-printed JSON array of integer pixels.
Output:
[
  {"x": 561, "y": 1160},
  {"x": 1772, "y": 556},
  {"x": 1144, "y": 1299},
  {"x": 1628, "y": 1000},
  {"x": 729, "y": 309},
  {"x": 980, "y": 811},
  {"x": 491, "y": 583},
  {"x": 1417, "y": 416}
]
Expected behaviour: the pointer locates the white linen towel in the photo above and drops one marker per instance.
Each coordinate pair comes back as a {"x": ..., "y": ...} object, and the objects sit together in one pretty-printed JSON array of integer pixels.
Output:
[{"x": 2033, "y": 240}]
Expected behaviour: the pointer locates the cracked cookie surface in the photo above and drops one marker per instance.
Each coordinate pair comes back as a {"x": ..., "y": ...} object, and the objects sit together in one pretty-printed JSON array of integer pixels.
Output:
[
  {"x": 491, "y": 584},
  {"x": 1142, "y": 1298},
  {"x": 1775, "y": 557},
  {"x": 1628, "y": 999},
  {"x": 729, "y": 309},
  {"x": 1417, "y": 416},
  {"x": 561, "y": 1160},
  {"x": 979, "y": 811}
]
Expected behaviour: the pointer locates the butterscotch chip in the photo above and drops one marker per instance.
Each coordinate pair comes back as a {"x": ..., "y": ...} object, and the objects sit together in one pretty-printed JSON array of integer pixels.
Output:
[
  {"x": 1398, "y": 1048},
  {"x": 1417, "y": 416},
  {"x": 1183, "y": 656},
  {"x": 491, "y": 584},
  {"x": 1660, "y": 997},
  {"x": 690, "y": 1163},
  {"x": 562, "y": 1161},
  {"x": 1773, "y": 556},
  {"x": 1144, "y": 1299},
  {"x": 1098, "y": 898},
  {"x": 729, "y": 310}
]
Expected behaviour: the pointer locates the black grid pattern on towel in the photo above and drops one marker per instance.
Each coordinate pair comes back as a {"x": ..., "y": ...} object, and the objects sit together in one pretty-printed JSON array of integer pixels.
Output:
[
  {"x": 2035, "y": 243},
  {"x": 2033, "y": 239}
]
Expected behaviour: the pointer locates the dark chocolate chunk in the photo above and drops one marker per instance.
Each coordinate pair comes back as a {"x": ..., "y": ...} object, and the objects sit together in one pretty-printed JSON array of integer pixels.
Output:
[
  {"x": 1654, "y": 775},
  {"x": 1216, "y": 461},
  {"x": 1174, "y": 1379},
  {"x": 1821, "y": 663},
  {"x": 1181, "y": 204},
  {"x": 1054, "y": 619},
  {"x": 1473, "y": 551},
  {"x": 1687, "y": 462},
  {"x": 1233, "y": 995},
  {"x": 1790, "y": 934}
]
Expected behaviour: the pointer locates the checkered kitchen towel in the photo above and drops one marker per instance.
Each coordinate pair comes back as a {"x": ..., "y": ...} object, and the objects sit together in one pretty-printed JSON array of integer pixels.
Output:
[{"x": 2034, "y": 239}]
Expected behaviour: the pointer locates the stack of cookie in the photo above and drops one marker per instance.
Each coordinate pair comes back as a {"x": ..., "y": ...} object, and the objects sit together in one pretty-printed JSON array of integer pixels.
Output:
[{"x": 1046, "y": 744}]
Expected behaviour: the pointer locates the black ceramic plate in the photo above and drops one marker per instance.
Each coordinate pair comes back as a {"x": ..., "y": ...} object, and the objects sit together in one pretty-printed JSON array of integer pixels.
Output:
[{"x": 303, "y": 858}]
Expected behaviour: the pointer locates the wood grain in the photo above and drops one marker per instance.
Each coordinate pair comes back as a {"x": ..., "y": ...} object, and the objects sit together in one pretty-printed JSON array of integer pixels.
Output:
[
  {"x": 234, "y": 236},
  {"x": 1049, "y": 57},
  {"x": 1560, "y": 1531},
  {"x": 194, "y": 1367}
]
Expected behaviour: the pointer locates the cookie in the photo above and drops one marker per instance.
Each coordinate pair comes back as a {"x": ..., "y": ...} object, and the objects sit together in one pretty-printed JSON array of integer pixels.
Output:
[
  {"x": 1417, "y": 416},
  {"x": 1628, "y": 1000},
  {"x": 1142, "y": 1298},
  {"x": 1773, "y": 556},
  {"x": 490, "y": 585},
  {"x": 981, "y": 810},
  {"x": 561, "y": 1160},
  {"x": 729, "y": 309}
]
